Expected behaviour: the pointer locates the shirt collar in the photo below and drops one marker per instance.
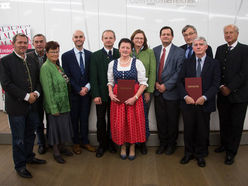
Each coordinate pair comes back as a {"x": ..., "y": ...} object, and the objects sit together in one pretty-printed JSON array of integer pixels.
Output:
[
  {"x": 77, "y": 51},
  {"x": 38, "y": 54},
  {"x": 202, "y": 58},
  {"x": 107, "y": 50},
  {"x": 233, "y": 45},
  {"x": 25, "y": 56}
]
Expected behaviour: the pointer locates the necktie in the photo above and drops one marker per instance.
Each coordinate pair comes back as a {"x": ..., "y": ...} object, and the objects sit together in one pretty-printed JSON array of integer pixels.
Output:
[
  {"x": 161, "y": 65},
  {"x": 110, "y": 55},
  {"x": 198, "y": 69},
  {"x": 229, "y": 48},
  {"x": 81, "y": 62},
  {"x": 189, "y": 52}
]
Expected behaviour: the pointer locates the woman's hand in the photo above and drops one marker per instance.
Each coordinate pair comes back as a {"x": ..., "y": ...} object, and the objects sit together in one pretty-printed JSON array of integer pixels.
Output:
[
  {"x": 56, "y": 114},
  {"x": 113, "y": 97},
  {"x": 147, "y": 97},
  {"x": 131, "y": 101}
]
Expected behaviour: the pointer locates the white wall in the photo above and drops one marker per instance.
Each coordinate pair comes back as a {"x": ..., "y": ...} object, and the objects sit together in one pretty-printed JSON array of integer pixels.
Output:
[{"x": 57, "y": 19}]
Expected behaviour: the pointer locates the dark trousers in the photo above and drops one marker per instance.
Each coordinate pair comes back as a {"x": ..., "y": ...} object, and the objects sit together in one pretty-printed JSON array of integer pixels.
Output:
[
  {"x": 196, "y": 131},
  {"x": 80, "y": 109},
  {"x": 146, "y": 110},
  {"x": 231, "y": 116},
  {"x": 22, "y": 129},
  {"x": 40, "y": 128},
  {"x": 167, "y": 116},
  {"x": 103, "y": 127}
]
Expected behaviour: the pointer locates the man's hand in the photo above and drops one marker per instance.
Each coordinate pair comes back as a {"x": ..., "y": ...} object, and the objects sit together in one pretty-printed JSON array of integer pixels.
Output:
[
  {"x": 32, "y": 97},
  {"x": 189, "y": 100},
  {"x": 200, "y": 101},
  {"x": 225, "y": 91},
  {"x": 160, "y": 87},
  {"x": 83, "y": 91},
  {"x": 98, "y": 100}
]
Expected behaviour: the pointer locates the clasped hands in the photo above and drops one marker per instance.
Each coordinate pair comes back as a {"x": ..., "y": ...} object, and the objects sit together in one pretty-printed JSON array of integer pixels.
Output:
[
  {"x": 129, "y": 101},
  {"x": 189, "y": 100}
]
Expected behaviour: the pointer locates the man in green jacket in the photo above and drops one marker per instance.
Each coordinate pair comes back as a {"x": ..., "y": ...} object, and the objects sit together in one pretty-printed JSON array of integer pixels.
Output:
[{"x": 98, "y": 81}]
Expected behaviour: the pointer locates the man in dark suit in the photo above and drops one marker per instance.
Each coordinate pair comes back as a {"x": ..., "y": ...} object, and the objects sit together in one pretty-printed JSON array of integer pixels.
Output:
[
  {"x": 169, "y": 59},
  {"x": 233, "y": 96},
  {"x": 189, "y": 34},
  {"x": 20, "y": 79},
  {"x": 196, "y": 113},
  {"x": 98, "y": 80},
  {"x": 38, "y": 56},
  {"x": 76, "y": 66}
]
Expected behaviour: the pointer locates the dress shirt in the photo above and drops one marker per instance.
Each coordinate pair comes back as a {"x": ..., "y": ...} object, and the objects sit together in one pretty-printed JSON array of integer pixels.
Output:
[
  {"x": 167, "y": 51},
  {"x": 187, "y": 51},
  {"x": 26, "y": 98},
  {"x": 202, "y": 63},
  {"x": 107, "y": 50},
  {"x": 77, "y": 54}
]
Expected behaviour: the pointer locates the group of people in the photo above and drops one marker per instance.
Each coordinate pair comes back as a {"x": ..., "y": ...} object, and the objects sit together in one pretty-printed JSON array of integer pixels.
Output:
[{"x": 36, "y": 84}]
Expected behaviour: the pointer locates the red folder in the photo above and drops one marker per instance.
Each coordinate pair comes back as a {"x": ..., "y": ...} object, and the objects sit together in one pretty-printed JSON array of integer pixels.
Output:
[
  {"x": 125, "y": 89},
  {"x": 193, "y": 87}
]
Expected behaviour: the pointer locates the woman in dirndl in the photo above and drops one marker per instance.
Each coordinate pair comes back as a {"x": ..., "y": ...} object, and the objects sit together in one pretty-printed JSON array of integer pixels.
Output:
[{"x": 127, "y": 119}]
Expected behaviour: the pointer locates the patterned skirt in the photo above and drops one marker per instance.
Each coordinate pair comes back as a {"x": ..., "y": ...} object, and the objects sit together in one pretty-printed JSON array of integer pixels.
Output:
[{"x": 127, "y": 121}]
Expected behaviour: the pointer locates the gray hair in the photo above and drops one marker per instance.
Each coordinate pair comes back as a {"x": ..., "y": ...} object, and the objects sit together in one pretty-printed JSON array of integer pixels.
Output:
[
  {"x": 187, "y": 27},
  {"x": 19, "y": 34},
  {"x": 200, "y": 38},
  {"x": 233, "y": 26},
  {"x": 38, "y": 35}
]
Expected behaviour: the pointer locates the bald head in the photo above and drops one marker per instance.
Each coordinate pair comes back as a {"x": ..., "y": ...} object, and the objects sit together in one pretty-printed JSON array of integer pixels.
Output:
[{"x": 78, "y": 39}]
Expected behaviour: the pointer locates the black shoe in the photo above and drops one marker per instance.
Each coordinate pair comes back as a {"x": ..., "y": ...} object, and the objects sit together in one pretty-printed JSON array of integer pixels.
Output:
[
  {"x": 112, "y": 148},
  {"x": 220, "y": 149},
  {"x": 24, "y": 173},
  {"x": 143, "y": 148},
  {"x": 66, "y": 152},
  {"x": 59, "y": 159},
  {"x": 131, "y": 157},
  {"x": 161, "y": 149},
  {"x": 229, "y": 159},
  {"x": 186, "y": 159},
  {"x": 170, "y": 150},
  {"x": 36, "y": 161},
  {"x": 41, "y": 149},
  {"x": 100, "y": 152},
  {"x": 201, "y": 162}
]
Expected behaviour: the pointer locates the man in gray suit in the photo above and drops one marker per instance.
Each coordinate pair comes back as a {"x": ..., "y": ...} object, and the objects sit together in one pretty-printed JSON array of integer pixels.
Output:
[
  {"x": 38, "y": 55},
  {"x": 169, "y": 59}
]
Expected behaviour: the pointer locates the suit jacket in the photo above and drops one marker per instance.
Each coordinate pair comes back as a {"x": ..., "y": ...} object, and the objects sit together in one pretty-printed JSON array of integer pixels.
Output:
[
  {"x": 171, "y": 70},
  {"x": 98, "y": 73},
  {"x": 210, "y": 81},
  {"x": 208, "y": 51},
  {"x": 234, "y": 71},
  {"x": 15, "y": 81},
  {"x": 34, "y": 57},
  {"x": 73, "y": 71}
]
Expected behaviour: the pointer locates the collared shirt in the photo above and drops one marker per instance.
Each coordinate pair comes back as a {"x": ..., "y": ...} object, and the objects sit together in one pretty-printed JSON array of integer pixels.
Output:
[
  {"x": 167, "y": 51},
  {"x": 40, "y": 58},
  {"x": 77, "y": 54},
  {"x": 233, "y": 45},
  {"x": 187, "y": 51},
  {"x": 107, "y": 50},
  {"x": 202, "y": 61},
  {"x": 26, "y": 98}
]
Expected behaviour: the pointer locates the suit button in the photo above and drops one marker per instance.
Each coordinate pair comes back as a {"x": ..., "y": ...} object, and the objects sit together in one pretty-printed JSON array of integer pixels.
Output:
[
  {"x": 223, "y": 68},
  {"x": 223, "y": 76}
]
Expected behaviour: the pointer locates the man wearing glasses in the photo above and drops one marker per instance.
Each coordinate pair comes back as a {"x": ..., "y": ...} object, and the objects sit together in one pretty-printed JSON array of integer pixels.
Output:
[{"x": 190, "y": 34}]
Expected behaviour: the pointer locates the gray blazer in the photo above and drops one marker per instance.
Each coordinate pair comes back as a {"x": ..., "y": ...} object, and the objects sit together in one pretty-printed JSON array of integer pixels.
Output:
[{"x": 171, "y": 70}]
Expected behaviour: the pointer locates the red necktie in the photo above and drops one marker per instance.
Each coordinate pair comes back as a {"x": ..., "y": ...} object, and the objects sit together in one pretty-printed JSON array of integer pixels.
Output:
[{"x": 161, "y": 65}]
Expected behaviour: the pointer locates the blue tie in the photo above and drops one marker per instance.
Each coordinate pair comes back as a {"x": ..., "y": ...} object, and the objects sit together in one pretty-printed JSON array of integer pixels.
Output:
[
  {"x": 189, "y": 51},
  {"x": 198, "y": 69},
  {"x": 81, "y": 62}
]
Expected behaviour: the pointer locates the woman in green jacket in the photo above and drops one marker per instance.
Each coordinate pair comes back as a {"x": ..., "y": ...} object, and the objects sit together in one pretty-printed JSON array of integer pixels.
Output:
[
  {"x": 146, "y": 55},
  {"x": 56, "y": 102}
]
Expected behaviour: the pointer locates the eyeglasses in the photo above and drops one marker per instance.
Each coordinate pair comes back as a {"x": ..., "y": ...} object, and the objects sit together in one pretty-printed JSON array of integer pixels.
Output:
[{"x": 190, "y": 34}]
